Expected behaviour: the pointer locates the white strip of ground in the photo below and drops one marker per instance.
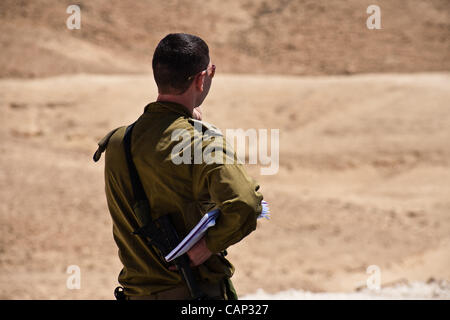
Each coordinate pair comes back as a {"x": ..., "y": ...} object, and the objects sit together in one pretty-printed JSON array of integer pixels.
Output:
[{"x": 413, "y": 290}]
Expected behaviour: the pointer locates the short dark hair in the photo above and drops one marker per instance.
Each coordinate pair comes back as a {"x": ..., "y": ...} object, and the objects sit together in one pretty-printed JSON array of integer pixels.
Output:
[{"x": 177, "y": 57}]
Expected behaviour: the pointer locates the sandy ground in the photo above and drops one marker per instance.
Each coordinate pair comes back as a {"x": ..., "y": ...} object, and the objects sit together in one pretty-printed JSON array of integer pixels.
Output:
[
  {"x": 363, "y": 180},
  {"x": 308, "y": 37}
]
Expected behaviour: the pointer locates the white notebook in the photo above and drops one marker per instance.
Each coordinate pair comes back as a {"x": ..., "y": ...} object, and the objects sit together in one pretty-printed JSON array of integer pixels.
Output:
[{"x": 208, "y": 220}]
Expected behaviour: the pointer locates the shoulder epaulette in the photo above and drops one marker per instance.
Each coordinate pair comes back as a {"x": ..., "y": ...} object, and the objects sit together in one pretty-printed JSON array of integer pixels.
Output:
[
  {"x": 206, "y": 127},
  {"x": 102, "y": 144}
]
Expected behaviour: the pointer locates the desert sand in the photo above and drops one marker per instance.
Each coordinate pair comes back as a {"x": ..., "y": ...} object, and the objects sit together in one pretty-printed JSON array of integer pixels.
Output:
[
  {"x": 363, "y": 180},
  {"x": 363, "y": 117},
  {"x": 308, "y": 37}
]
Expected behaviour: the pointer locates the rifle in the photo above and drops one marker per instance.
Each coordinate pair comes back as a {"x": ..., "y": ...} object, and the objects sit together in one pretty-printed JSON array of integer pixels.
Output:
[{"x": 159, "y": 233}]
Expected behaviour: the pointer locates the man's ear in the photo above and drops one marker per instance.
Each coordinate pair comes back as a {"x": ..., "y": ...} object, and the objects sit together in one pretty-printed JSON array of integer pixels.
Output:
[{"x": 200, "y": 80}]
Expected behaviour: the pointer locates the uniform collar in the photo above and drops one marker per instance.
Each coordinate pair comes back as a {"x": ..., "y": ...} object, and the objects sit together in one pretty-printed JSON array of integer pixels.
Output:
[{"x": 167, "y": 105}]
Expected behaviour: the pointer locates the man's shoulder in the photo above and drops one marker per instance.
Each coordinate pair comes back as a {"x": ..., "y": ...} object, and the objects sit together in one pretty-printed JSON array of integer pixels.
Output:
[
  {"x": 191, "y": 125},
  {"x": 204, "y": 127}
]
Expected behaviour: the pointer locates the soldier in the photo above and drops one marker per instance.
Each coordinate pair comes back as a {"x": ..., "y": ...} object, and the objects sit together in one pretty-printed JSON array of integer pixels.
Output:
[{"x": 186, "y": 191}]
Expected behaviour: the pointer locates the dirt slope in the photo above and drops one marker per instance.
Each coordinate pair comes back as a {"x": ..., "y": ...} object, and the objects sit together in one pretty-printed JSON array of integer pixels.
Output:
[
  {"x": 280, "y": 37},
  {"x": 363, "y": 179}
]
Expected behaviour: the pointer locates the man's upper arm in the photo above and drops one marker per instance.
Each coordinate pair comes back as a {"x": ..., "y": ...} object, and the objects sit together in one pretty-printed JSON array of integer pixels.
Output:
[{"x": 236, "y": 195}]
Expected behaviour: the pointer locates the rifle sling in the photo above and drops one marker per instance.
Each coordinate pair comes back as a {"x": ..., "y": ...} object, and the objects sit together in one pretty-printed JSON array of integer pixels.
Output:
[{"x": 161, "y": 233}]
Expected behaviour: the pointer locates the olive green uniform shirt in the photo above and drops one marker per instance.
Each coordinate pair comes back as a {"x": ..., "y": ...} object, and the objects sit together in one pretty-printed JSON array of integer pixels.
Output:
[{"x": 185, "y": 191}]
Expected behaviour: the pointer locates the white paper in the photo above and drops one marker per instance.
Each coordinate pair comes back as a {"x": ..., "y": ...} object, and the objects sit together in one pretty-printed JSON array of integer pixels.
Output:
[{"x": 208, "y": 220}]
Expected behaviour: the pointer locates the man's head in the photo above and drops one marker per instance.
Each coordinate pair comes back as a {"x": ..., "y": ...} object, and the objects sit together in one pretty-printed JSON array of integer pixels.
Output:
[{"x": 177, "y": 62}]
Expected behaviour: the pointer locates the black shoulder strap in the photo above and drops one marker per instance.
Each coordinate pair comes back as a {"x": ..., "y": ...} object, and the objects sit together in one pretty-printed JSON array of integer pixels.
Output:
[
  {"x": 138, "y": 189},
  {"x": 160, "y": 232}
]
